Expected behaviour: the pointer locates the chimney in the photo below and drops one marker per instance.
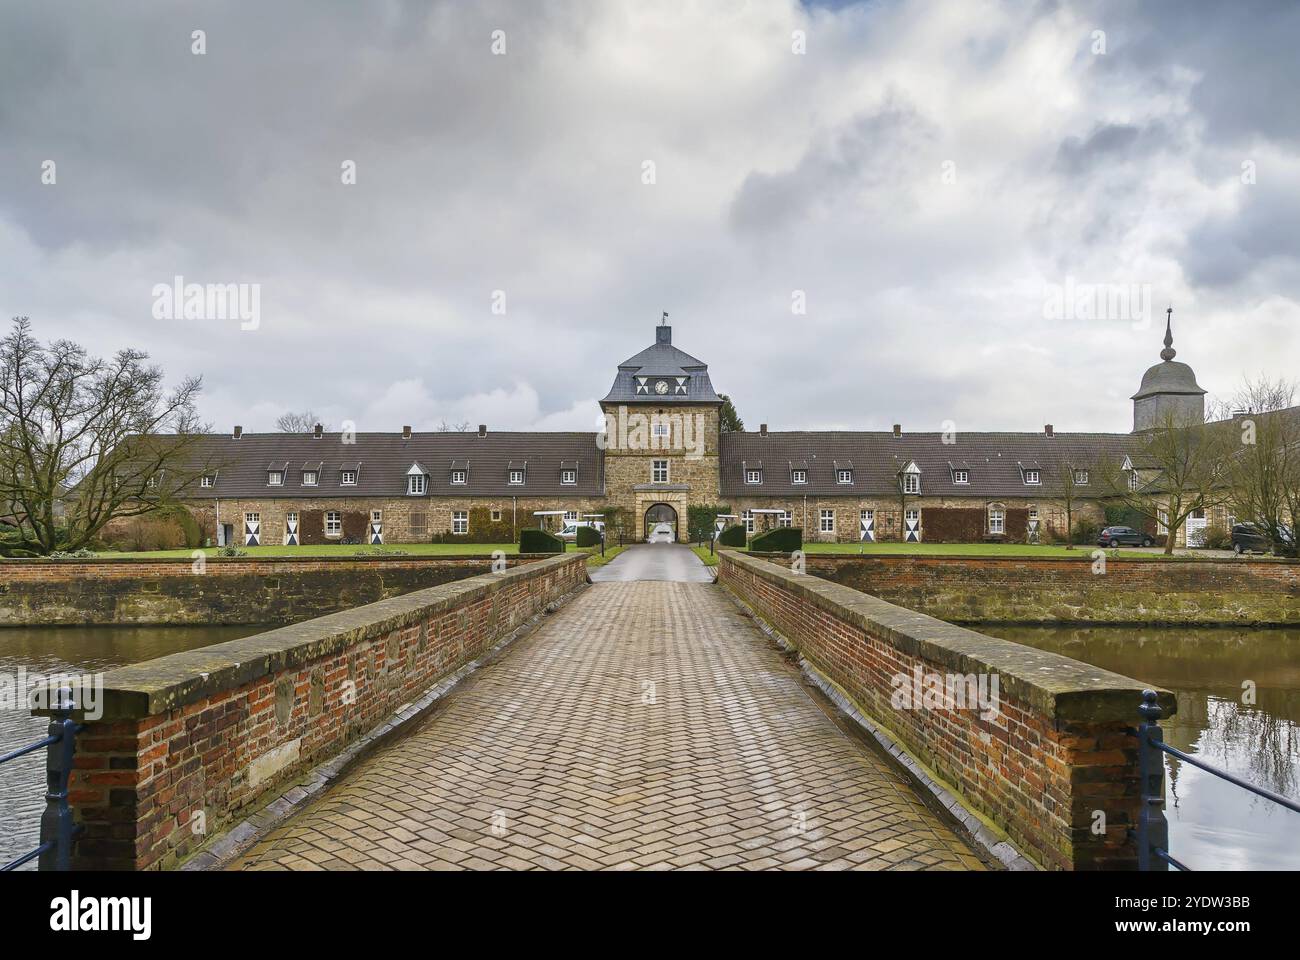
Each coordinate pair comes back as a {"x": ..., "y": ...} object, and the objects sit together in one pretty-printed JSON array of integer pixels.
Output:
[
  {"x": 1047, "y": 429},
  {"x": 762, "y": 429},
  {"x": 406, "y": 432},
  {"x": 898, "y": 430},
  {"x": 663, "y": 333},
  {"x": 318, "y": 431},
  {"x": 239, "y": 432},
  {"x": 482, "y": 429}
]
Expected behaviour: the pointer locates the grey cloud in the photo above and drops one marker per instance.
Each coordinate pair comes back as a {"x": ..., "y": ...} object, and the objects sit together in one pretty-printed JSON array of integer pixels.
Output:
[
  {"x": 875, "y": 148},
  {"x": 522, "y": 173}
]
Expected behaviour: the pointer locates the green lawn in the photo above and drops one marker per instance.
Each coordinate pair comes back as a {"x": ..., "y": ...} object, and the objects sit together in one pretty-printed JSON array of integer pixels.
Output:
[
  {"x": 594, "y": 559},
  {"x": 710, "y": 560},
  {"x": 332, "y": 550},
  {"x": 967, "y": 549}
]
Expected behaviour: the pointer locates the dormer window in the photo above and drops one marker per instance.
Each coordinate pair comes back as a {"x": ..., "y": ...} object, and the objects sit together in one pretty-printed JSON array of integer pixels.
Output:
[
  {"x": 309, "y": 478},
  {"x": 1133, "y": 480},
  {"x": 911, "y": 483},
  {"x": 843, "y": 476},
  {"x": 799, "y": 476},
  {"x": 275, "y": 478},
  {"x": 207, "y": 480},
  {"x": 459, "y": 476},
  {"x": 961, "y": 476},
  {"x": 753, "y": 476},
  {"x": 348, "y": 478},
  {"x": 516, "y": 477},
  {"x": 417, "y": 481},
  {"x": 568, "y": 476},
  {"x": 1032, "y": 477},
  {"x": 1081, "y": 478}
]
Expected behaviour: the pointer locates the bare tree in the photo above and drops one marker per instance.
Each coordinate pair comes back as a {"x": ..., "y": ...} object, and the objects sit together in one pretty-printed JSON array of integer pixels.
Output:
[
  {"x": 1062, "y": 483},
  {"x": 1263, "y": 473},
  {"x": 304, "y": 422},
  {"x": 1176, "y": 469},
  {"x": 445, "y": 427},
  {"x": 84, "y": 441}
]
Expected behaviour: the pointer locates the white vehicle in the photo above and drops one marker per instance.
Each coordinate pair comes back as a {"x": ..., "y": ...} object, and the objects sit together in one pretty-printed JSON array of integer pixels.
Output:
[
  {"x": 661, "y": 533},
  {"x": 569, "y": 532}
]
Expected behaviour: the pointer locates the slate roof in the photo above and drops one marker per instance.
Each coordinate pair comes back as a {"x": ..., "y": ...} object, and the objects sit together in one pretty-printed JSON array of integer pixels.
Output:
[
  {"x": 996, "y": 461},
  {"x": 662, "y": 361},
  {"x": 383, "y": 459}
]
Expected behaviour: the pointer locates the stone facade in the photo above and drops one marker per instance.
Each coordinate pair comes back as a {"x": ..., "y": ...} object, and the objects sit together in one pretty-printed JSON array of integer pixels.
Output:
[
  {"x": 635, "y": 479},
  {"x": 663, "y": 449}
]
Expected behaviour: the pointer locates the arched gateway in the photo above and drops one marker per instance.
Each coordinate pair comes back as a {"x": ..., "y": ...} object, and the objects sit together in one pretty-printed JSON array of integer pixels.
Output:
[{"x": 660, "y": 513}]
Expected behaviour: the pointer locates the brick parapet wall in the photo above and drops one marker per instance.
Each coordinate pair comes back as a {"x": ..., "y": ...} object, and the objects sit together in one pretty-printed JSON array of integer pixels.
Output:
[
  {"x": 1057, "y": 750},
  {"x": 213, "y": 731},
  {"x": 1076, "y": 590},
  {"x": 221, "y": 590}
]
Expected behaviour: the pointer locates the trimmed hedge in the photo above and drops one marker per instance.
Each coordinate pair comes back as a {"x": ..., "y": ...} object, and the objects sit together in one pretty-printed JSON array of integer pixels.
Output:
[
  {"x": 732, "y": 536},
  {"x": 587, "y": 537},
  {"x": 778, "y": 540},
  {"x": 532, "y": 540}
]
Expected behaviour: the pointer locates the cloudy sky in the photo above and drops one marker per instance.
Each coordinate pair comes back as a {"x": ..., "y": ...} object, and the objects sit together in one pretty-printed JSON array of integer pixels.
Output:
[{"x": 945, "y": 186}]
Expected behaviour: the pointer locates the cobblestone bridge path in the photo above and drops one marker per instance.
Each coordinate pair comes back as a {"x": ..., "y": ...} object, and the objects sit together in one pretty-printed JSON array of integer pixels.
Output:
[{"x": 645, "y": 725}]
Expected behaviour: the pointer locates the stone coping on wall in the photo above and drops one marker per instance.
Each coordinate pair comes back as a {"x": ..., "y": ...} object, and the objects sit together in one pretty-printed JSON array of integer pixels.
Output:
[
  {"x": 166, "y": 683},
  {"x": 80, "y": 563},
  {"x": 1083, "y": 556},
  {"x": 1061, "y": 688}
]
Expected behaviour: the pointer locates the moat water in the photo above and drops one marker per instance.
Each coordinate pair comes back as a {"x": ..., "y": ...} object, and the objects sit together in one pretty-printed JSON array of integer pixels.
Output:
[
  {"x": 1212, "y": 824},
  {"x": 50, "y": 651}
]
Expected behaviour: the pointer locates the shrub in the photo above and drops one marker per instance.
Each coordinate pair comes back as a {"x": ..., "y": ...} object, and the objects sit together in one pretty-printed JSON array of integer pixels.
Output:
[
  {"x": 230, "y": 550},
  {"x": 587, "y": 537},
  {"x": 1086, "y": 531},
  {"x": 152, "y": 533},
  {"x": 539, "y": 541},
  {"x": 778, "y": 540},
  {"x": 82, "y": 554},
  {"x": 1216, "y": 537},
  {"x": 732, "y": 536}
]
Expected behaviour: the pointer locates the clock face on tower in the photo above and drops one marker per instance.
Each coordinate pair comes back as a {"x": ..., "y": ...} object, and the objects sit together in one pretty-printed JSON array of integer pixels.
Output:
[{"x": 661, "y": 387}]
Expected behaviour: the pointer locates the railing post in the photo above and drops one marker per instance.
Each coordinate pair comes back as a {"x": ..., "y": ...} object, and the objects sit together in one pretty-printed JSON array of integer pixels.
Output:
[
  {"x": 1152, "y": 827},
  {"x": 57, "y": 824}
]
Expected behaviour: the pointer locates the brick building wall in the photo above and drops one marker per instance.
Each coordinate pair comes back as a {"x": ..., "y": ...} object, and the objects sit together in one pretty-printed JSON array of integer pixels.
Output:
[
  {"x": 403, "y": 519},
  {"x": 887, "y": 514}
]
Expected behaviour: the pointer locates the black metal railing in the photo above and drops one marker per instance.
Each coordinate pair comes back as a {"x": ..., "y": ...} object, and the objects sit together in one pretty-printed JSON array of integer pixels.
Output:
[
  {"x": 1152, "y": 827},
  {"x": 58, "y": 830}
]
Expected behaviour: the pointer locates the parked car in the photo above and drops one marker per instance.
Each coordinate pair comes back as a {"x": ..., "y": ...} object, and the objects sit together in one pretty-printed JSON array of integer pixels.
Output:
[
  {"x": 661, "y": 533},
  {"x": 1248, "y": 538},
  {"x": 1114, "y": 536},
  {"x": 569, "y": 532}
]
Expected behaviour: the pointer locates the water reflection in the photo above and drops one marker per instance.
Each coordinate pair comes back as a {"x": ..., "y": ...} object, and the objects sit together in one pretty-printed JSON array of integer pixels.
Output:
[
  {"x": 1212, "y": 824},
  {"x": 54, "y": 650}
]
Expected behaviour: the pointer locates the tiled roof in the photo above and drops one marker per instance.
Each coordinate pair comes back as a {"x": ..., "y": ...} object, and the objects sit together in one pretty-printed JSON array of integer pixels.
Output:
[
  {"x": 996, "y": 461},
  {"x": 687, "y": 378},
  {"x": 383, "y": 459}
]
